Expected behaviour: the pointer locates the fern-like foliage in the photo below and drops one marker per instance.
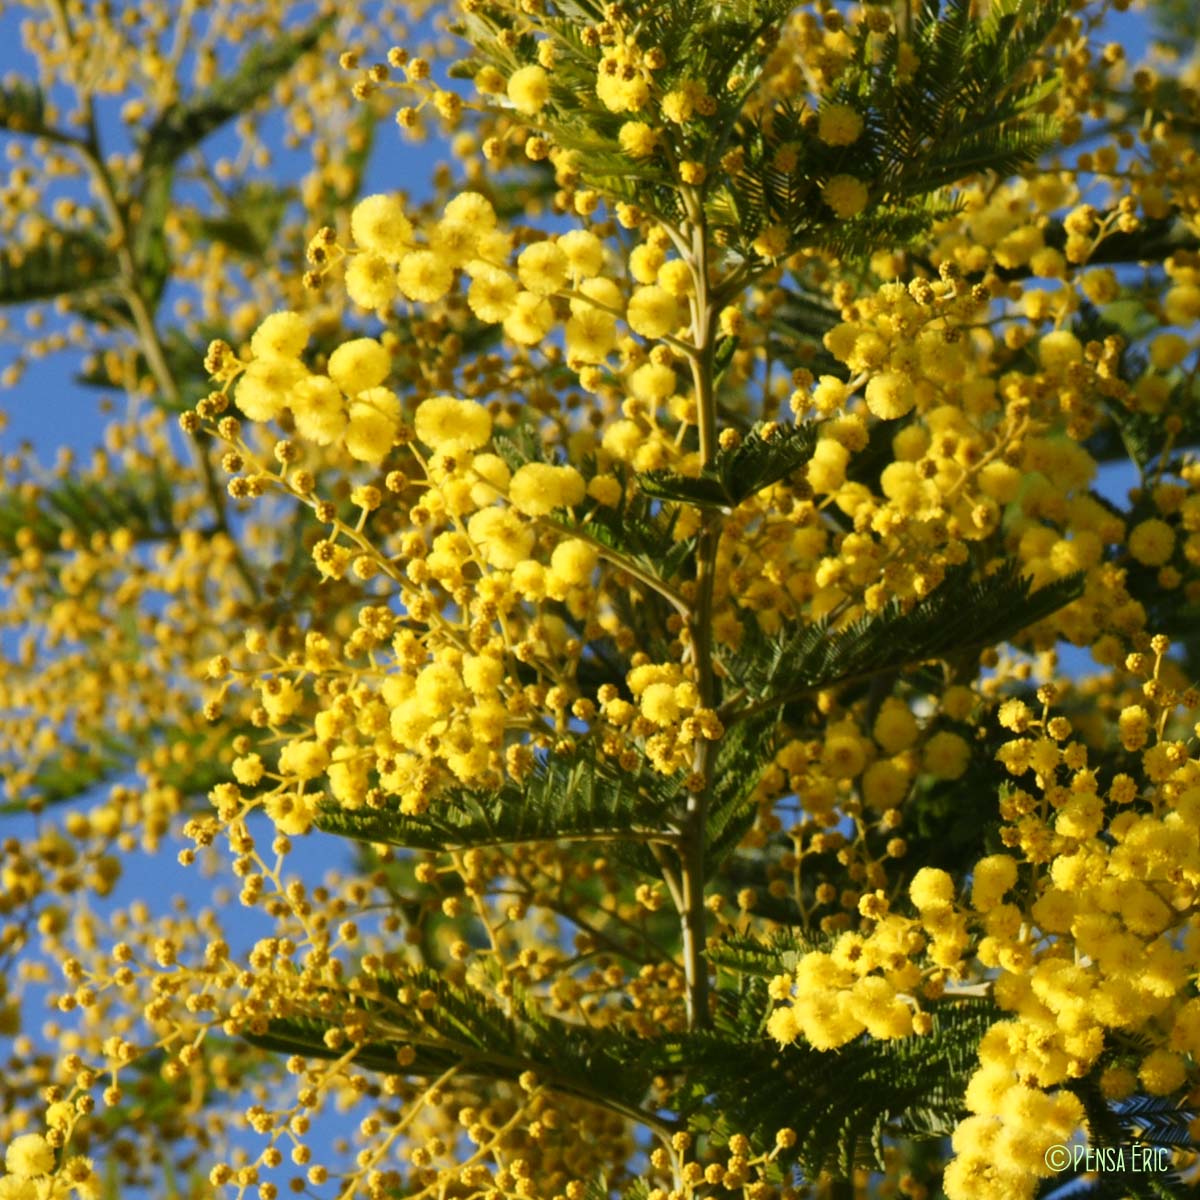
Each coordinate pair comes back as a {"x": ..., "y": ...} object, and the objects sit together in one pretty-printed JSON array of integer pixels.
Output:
[
  {"x": 140, "y": 501},
  {"x": 576, "y": 797},
  {"x": 841, "y": 1105},
  {"x": 468, "y": 1029},
  {"x": 964, "y": 612},
  {"x": 742, "y": 755},
  {"x": 770, "y": 453},
  {"x": 188, "y": 122},
  {"x": 64, "y": 261},
  {"x": 22, "y": 107},
  {"x": 1136, "y": 1137}
]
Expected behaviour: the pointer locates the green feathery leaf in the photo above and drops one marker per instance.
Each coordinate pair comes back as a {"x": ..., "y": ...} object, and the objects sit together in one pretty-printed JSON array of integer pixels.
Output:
[{"x": 768, "y": 454}]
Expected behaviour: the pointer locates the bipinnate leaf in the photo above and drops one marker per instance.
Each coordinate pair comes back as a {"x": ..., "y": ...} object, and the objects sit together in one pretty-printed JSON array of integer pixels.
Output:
[
  {"x": 768, "y": 454},
  {"x": 64, "y": 261},
  {"x": 186, "y": 123},
  {"x": 963, "y": 613},
  {"x": 575, "y": 797}
]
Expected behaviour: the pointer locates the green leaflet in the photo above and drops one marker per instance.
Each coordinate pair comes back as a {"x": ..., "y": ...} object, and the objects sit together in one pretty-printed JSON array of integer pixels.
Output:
[
  {"x": 64, "y": 261},
  {"x": 22, "y": 107},
  {"x": 465, "y": 1027},
  {"x": 742, "y": 756},
  {"x": 575, "y": 797},
  {"x": 139, "y": 501},
  {"x": 745, "y": 954},
  {"x": 843, "y": 1103},
  {"x": 768, "y": 454},
  {"x": 188, "y": 122},
  {"x": 962, "y": 613},
  {"x": 253, "y": 215}
]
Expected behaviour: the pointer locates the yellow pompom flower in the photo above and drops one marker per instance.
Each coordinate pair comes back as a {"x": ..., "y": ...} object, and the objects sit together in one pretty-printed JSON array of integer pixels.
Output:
[
  {"x": 591, "y": 335},
  {"x": 359, "y": 364},
  {"x": 529, "y": 90},
  {"x": 946, "y": 755},
  {"x": 265, "y": 388},
  {"x": 652, "y": 312},
  {"x": 371, "y": 281},
  {"x": 1152, "y": 542},
  {"x": 992, "y": 878},
  {"x": 783, "y": 1026},
  {"x": 659, "y": 704},
  {"x": 443, "y": 419},
  {"x": 292, "y": 814},
  {"x": 846, "y": 195},
  {"x": 895, "y": 727},
  {"x": 319, "y": 410},
  {"x": 542, "y": 268},
  {"x": 28, "y": 1155},
  {"x": 471, "y": 208},
  {"x": 574, "y": 561},
  {"x": 502, "y": 538},
  {"x": 492, "y": 295},
  {"x": 1162, "y": 1072},
  {"x": 303, "y": 759},
  {"x": 378, "y": 225},
  {"x": 425, "y": 276},
  {"x": 280, "y": 335},
  {"x": 884, "y": 785},
  {"x": 584, "y": 252},
  {"x": 931, "y": 887},
  {"x": 530, "y": 320},
  {"x": 1059, "y": 350},
  {"x": 652, "y": 382},
  {"x": 839, "y": 125},
  {"x": 890, "y": 395},
  {"x": 374, "y": 418},
  {"x": 637, "y": 139},
  {"x": 539, "y": 488}
]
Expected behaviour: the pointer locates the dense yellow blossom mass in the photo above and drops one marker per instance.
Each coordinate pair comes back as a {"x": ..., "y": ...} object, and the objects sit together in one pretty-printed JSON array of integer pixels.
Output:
[{"x": 646, "y": 555}]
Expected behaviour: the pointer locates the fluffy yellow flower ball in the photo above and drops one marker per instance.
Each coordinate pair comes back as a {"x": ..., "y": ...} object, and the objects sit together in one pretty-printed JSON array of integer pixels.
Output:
[
  {"x": 304, "y": 759},
  {"x": 425, "y": 276},
  {"x": 471, "y": 208},
  {"x": 319, "y": 410},
  {"x": 992, "y": 877},
  {"x": 652, "y": 312},
  {"x": 637, "y": 139},
  {"x": 931, "y": 888},
  {"x": 574, "y": 561},
  {"x": 359, "y": 364},
  {"x": 946, "y": 755},
  {"x": 503, "y": 540},
  {"x": 1152, "y": 542},
  {"x": 374, "y": 418},
  {"x": 371, "y": 281},
  {"x": 378, "y": 225},
  {"x": 29, "y": 1154},
  {"x": 530, "y": 320},
  {"x": 264, "y": 390},
  {"x": 529, "y": 90},
  {"x": 1059, "y": 350},
  {"x": 281, "y": 335},
  {"x": 846, "y": 195},
  {"x": 539, "y": 488},
  {"x": 542, "y": 268},
  {"x": 839, "y": 125},
  {"x": 443, "y": 419},
  {"x": 890, "y": 395},
  {"x": 492, "y": 294},
  {"x": 659, "y": 704}
]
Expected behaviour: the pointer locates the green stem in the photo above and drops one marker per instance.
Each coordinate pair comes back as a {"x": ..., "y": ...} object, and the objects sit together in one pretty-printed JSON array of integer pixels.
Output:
[{"x": 694, "y": 916}]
